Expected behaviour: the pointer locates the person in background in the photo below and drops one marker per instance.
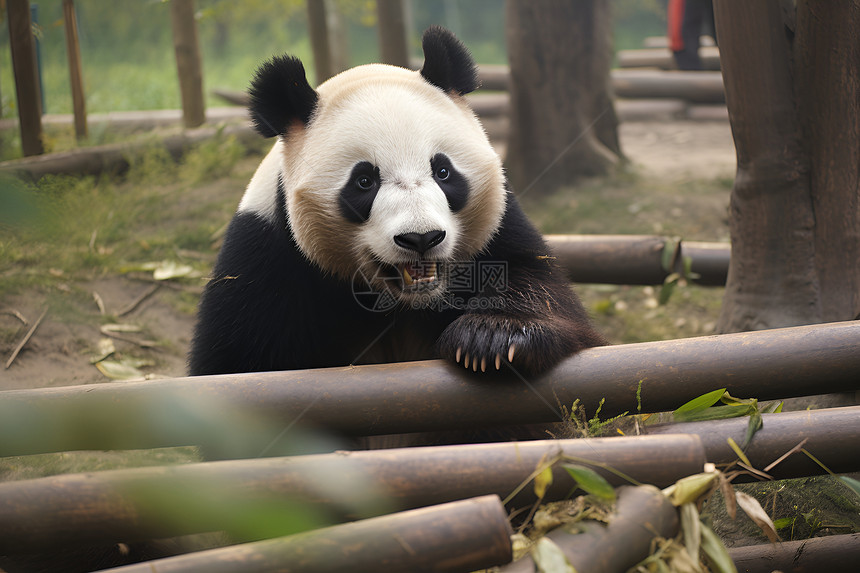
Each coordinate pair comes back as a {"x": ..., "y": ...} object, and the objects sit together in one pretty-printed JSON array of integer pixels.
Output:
[{"x": 687, "y": 20}]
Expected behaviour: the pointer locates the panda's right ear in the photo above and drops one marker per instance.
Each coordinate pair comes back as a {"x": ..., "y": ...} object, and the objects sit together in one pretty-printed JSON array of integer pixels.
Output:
[{"x": 280, "y": 94}]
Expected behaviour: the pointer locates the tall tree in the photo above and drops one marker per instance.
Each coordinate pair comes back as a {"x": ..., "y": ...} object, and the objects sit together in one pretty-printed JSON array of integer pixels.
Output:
[
  {"x": 792, "y": 80},
  {"x": 563, "y": 122}
]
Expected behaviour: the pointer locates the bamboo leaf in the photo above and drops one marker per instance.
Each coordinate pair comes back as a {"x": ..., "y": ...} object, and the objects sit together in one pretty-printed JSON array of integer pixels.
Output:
[
  {"x": 782, "y": 523},
  {"x": 702, "y": 402},
  {"x": 753, "y": 509},
  {"x": 542, "y": 481},
  {"x": 691, "y": 488},
  {"x": 118, "y": 370},
  {"x": 114, "y": 328},
  {"x": 852, "y": 483},
  {"x": 692, "y": 528},
  {"x": 738, "y": 451},
  {"x": 755, "y": 424},
  {"x": 728, "y": 496},
  {"x": 714, "y": 413},
  {"x": 590, "y": 481},
  {"x": 716, "y": 552},
  {"x": 549, "y": 558}
]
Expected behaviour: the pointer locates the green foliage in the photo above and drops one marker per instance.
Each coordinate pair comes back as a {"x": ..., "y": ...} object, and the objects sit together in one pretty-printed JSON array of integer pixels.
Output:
[
  {"x": 590, "y": 427},
  {"x": 590, "y": 481}
]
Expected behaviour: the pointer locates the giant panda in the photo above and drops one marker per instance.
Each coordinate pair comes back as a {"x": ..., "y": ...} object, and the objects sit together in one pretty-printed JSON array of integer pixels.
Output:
[{"x": 379, "y": 228}]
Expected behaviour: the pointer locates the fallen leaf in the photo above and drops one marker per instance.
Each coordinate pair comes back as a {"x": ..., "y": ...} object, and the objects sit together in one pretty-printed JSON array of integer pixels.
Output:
[
  {"x": 549, "y": 558},
  {"x": 754, "y": 510},
  {"x": 119, "y": 371}
]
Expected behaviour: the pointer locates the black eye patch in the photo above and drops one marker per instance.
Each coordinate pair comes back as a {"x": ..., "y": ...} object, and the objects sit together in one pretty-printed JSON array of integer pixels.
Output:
[
  {"x": 356, "y": 197},
  {"x": 451, "y": 181}
]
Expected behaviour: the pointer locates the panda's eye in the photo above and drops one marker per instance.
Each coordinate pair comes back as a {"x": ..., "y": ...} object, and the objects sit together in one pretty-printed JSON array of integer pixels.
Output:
[
  {"x": 443, "y": 173},
  {"x": 364, "y": 182}
]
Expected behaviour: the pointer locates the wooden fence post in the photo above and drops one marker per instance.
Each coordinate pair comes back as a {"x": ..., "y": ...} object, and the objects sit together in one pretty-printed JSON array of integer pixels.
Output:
[
  {"x": 318, "y": 28},
  {"x": 26, "y": 78},
  {"x": 188, "y": 64},
  {"x": 73, "y": 49},
  {"x": 393, "y": 45}
]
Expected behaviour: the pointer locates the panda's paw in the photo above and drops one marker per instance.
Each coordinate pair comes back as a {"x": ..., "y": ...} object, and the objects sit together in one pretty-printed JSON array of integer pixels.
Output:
[{"x": 490, "y": 343}]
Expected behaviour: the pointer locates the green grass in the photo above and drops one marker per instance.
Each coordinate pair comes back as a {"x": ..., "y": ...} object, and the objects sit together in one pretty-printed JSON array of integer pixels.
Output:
[{"x": 79, "y": 228}]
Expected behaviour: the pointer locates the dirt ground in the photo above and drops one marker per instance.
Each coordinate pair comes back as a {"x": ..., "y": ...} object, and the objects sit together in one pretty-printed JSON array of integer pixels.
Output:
[{"x": 59, "y": 352}]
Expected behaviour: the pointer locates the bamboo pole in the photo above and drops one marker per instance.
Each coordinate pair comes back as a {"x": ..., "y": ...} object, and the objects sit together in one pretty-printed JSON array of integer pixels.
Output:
[
  {"x": 461, "y": 536},
  {"x": 73, "y": 49},
  {"x": 134, "y": 504},
  {"x": 26, "y": 76},
  {"x": 643, "y": 513},
  {"x": 320, "y": 43},
  {"x": 435, "y": 395},
  {"x": 638, "y": 259},
  {"x": 830, "y": 433},
  {"x": 188, "y": 63},
  {"x": 661, "y": 58},
  {"x": 833, "y": 553}
]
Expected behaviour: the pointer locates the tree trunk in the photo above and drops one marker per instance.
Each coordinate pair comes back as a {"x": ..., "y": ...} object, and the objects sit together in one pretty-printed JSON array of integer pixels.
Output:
[
  {"x": 318, "y": 28},
  {"x": 563, "y": 122},
  {"x": 827, "y": 83},
  {"x": 188, "y": 62},
  {"x": 795, "y": 219},
  {"x": 393, "y": 44}
]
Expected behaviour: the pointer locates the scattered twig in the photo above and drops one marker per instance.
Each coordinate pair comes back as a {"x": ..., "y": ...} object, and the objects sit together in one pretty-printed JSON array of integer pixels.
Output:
[
  {"x": 793, "y": 450},
  {"x": 141, "y": 343},
  {"x": 92, "y": 243},
  {"x": 17, "y": 315},
  {"x": 136, "y": 302},
  {"x": 99, "y": 302},
  {"x": 25, "y": 339}
]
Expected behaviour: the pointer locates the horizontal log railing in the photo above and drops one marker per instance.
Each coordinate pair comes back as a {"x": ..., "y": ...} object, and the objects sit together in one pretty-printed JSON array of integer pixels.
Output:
[
  {"x": 428, "y": 396},
  {"x": 455, "y": 537},
  {"x": 135, "y": 504},
  {"x": 638, "y": 259}
]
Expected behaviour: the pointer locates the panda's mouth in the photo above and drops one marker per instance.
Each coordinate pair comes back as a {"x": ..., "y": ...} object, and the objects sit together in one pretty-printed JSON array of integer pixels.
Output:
[{"x": 418, "y": 275}]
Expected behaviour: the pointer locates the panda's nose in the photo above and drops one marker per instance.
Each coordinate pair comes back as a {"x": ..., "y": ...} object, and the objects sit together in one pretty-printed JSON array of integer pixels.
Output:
[{"x": 420, "y": 242}]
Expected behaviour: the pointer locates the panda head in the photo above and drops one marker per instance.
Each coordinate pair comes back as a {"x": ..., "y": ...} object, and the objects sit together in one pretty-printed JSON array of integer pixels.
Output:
[{"x": 386, "y": 171}]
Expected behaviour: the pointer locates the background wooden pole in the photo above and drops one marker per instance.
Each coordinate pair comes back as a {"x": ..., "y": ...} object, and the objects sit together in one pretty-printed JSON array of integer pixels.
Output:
[
  {"x": 393, "y": 45},
  {"x": 188, "y": 63},
  {"x": 320, "y": 44},
  {"x": 26, "y": 77},
  {"x": 73, "y": 49}
]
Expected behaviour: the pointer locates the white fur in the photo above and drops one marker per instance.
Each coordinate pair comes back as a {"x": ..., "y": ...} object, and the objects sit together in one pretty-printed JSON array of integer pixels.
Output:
[
  {"x": 260, "y": 196},
  {"x": 394, "y": 119}
]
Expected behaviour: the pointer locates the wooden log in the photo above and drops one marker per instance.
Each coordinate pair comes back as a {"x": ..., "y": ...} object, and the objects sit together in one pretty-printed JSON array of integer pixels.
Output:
[
  {"x": 696, "y": 87},
  {"x": 26, "y": 76},
  {"x": 432, "y": 395},
  {"x": 73, "y": 50},
  {"x": 188, "y": 63},
  {"x": 393, "y": 44},
  {"x": 833, "y": 553},
  {"x": 662, "y": 59},
  {"x": 461, "y": 536},
  {"x": 115, "y": 158},
  {"x": 831, "y": 434},
  {"x": 637, "y": 259},
  {"x": 135, "y": 504},
  {"x": 643, "y": 513}
]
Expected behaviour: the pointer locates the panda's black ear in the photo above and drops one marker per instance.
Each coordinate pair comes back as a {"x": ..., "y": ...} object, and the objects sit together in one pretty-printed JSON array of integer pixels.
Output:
[
  {"x": 447, "y": 62},
  {"x": 280, "y": 94}
]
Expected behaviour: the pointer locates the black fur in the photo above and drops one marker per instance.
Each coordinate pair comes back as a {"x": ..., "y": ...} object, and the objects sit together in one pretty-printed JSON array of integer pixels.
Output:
[
  {"x": 455, "y": 186},
  {"x": 355, "y": 200},
  {"x": 280, "y": 94},
  {"x": 447, "y": 62},
  {"x": 268, "y": 308}
]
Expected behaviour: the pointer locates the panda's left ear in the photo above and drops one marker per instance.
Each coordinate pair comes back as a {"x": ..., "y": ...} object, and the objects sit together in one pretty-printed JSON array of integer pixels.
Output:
[
  {"x": 447, "y": 62},
  {"x": 280, "y": 95}
]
